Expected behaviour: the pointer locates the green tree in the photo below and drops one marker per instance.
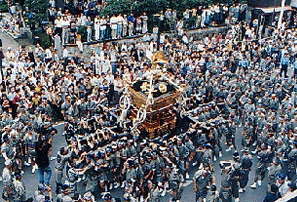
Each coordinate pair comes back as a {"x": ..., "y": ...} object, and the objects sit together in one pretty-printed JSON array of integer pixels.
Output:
[
  {"x": 116, "y": 7},
  {"x": 38, "y": 8},
  {"x": 4, "y": 6}
]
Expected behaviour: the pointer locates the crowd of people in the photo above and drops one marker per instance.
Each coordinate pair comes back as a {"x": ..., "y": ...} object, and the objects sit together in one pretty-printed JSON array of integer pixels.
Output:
[
  {"x": 122, "y": 25},
  {"x": 236, "y": 85},
  {"x": 68, "y": 25}
]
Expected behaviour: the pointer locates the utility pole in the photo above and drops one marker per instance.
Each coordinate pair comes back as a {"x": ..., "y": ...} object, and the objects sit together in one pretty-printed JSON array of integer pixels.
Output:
[
  {"x": 281, "y": 15},
  {"x": 1, "y": 64},
  {"x": 160, "y": 18}
]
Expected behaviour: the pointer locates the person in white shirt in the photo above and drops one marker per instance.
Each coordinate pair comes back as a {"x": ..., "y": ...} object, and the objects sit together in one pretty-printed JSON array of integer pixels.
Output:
[
  {"x": 179, "y": 27},
  {"x": 65, "y": 30},
  {"x": 203, "y": 18},
  {"x": 282, "y": 185},
  {"x": 110, "y": 78},
  {"x": 52, "y": 3},
  {"x": 79, "y": 43},
  {"x": 10, "y": 56},
  {"x": 97, "y": 28},
  {"x": 48, "y": 55},
  {"x": 113, "y": 59},
  {"x": 124, "y": 47},
  {"x": 78, "y": 21},
  {"x": 146, "y": 37},
  {"x": 83, "y": 19},
  {"x": 102, "y": 28},
  {"x": 39, "y": 51},
  {"x": 144, "y": 19},
  {"x": 113, "y": 26},
  {"x": 120, "y": 21},
  {"x": 125, "y": 26},
  {"x": 12, "y": 9},
  {"x": 217, "y": 14},
  {"x": 105, "y": 65},
  {"x": 186, "y": 14},
  {"x": 206, "y": 41},
  {"x": 185, "y": 39},
  {"x": 65, "y": 53},
  {"x": 89, "y": 33},
  {"x": 58, "y": 25},
  {"x": 94, "y": 80}
]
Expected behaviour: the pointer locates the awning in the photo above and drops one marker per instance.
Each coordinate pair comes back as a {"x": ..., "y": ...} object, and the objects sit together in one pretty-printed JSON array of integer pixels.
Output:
[{"x": 274, "y": 9}]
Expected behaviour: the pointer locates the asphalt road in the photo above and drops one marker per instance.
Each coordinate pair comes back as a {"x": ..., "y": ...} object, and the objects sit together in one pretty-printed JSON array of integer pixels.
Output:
[
  {"x": 251, "y": 195},
  {"x": 8, "y": 41},
  {"x": 31, "y": 180}
]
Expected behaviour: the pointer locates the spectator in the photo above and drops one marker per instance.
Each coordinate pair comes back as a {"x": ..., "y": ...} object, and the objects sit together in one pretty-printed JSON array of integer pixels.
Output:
[{"x": 43, "y": 152}]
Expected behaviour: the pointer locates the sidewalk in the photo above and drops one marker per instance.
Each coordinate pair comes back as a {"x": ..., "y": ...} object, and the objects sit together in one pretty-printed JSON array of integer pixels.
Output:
[
  {"x": 9, "y": 41},
  {"x": 93, "y": 46},
  {"x": 203, "y": 31}
]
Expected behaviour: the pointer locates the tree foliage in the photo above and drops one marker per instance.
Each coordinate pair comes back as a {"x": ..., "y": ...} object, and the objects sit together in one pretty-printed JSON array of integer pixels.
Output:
[
  {"x": 149, "y": 6},
  {"x": 4, "y": 6},
  {"x": 155, "y": 6},
  {"x": 38, "y": 10}
]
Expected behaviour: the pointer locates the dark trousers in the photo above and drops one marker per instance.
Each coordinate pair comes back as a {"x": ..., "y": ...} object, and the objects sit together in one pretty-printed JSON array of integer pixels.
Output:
[
  {"x": 235, "y": 189},
  {"x": 284, "y": 69},
  {"x": 59, "y": 31},
  {"x": 244, "y": 178},
  {"x": 14, "y": 108}
]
